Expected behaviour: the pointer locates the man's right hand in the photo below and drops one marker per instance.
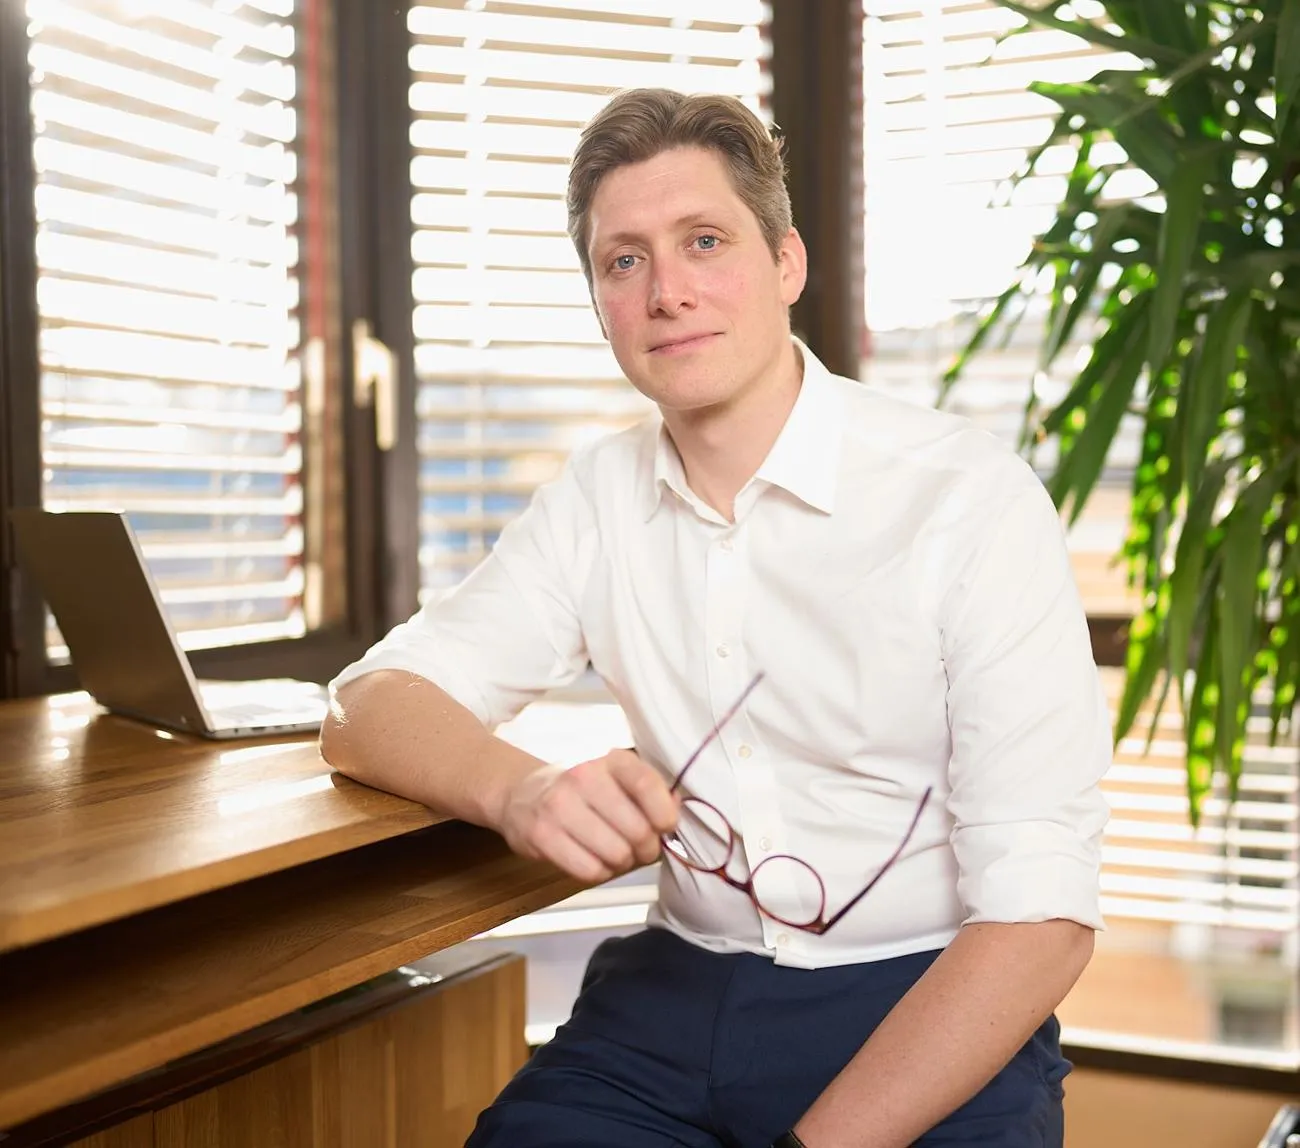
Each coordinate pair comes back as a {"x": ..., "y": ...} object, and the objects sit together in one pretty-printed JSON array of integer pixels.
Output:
[{"x": 594, "y": 820}]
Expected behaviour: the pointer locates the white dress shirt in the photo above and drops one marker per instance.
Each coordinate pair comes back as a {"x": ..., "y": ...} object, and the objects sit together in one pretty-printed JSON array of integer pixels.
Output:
[{"x": 901, "y": 578}]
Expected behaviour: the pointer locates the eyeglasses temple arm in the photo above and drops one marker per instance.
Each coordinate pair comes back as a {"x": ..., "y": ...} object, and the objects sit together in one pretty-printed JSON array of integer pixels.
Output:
[
  {"x": 716, "y": 730},
  {"x": 889, "y": 864}
]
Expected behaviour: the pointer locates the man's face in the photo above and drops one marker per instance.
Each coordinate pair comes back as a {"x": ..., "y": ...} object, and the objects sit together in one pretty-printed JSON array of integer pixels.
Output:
[{"x": 687, "y": 290}]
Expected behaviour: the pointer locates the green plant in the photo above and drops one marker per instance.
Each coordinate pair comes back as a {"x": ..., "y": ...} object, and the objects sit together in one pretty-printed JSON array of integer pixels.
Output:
[{"x": 1196, "y": 291}]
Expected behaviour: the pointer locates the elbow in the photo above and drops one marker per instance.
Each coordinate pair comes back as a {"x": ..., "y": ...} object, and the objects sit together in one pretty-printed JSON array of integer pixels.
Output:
[
  {"x": 330, "y": 739},
  {"x": 335, "y": 743},
  {"x": 1076, "y": 945},
  {"x": 1086, "y": 942}
]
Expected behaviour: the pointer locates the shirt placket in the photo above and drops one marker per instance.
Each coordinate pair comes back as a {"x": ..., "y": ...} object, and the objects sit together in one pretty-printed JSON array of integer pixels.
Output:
[{"x": 760, "y": 825}]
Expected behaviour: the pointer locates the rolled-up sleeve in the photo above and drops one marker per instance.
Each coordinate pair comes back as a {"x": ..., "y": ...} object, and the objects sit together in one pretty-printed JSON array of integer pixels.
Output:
[
  {"x": 1031, "y": 735},
  {"x": 510, "y": 631}
]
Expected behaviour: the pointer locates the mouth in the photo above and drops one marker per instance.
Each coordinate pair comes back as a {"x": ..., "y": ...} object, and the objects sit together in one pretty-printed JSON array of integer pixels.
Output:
[{"x": 685, "y": 343}]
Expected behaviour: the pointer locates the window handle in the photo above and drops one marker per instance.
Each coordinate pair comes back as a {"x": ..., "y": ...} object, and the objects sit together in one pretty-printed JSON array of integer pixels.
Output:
[{"x": 374, "y": 382}]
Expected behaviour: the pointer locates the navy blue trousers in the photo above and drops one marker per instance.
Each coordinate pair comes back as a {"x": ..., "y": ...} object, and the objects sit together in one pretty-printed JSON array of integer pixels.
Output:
[{"x": 671, "y": 1046}]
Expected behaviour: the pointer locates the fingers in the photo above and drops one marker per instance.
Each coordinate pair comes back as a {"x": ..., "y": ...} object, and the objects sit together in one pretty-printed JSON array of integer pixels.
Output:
[
  {"x": 604, "y": 792},
  {"x": 646, "y": 788},
  {"x": 596, "y": 820},
  {"x": 554, "y": 844}
]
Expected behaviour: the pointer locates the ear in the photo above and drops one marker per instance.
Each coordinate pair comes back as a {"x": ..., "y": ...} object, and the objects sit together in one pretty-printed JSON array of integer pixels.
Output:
[{"x": 792, "y": 261}]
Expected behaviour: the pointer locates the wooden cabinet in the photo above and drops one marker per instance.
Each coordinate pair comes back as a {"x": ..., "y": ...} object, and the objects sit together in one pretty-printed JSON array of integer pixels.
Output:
[
  {"x": 137, "y": 1133},
  {"x": 416, "y": 1076}
]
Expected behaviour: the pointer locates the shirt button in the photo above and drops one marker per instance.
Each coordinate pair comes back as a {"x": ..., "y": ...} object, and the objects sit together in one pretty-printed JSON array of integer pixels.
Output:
[
  {"x": 728, "y": 545},
  {"x": 783, "y": 938},
  {"x": 765, "y": 844},
  {"x": 744, "y": 751},
  {"x": 724, "y": 652}
]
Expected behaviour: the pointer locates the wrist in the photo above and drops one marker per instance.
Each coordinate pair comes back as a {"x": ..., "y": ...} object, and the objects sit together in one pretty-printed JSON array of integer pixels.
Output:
[
  {"x": 518, "y": 788},
  {"x": 512, "y": 786}
]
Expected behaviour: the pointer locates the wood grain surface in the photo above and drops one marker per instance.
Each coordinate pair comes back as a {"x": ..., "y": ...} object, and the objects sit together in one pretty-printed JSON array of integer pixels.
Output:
[
  {"x": 84, "y": 1012},
  {"x": 102, "y": 817},
  {"x": 416, "y": 1078},
  {"x": 137, "y": 1133}
]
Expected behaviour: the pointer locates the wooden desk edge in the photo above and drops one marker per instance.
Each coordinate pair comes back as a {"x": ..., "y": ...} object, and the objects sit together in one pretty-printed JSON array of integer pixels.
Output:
[
  {"x": 513, "y": 887},
  {"x": 99, "y": 907}
]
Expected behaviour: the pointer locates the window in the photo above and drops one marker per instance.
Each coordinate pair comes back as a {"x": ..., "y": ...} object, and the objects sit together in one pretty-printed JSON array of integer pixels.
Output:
[
  {"x": 1201, "y": 947},
  {"x": 186, "y": 375},
  {"x": 512, "y": 369},
  {"x": 948, "y": 121}
]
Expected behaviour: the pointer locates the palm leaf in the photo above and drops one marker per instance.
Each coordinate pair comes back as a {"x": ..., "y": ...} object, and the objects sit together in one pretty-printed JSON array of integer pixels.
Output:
[
  {"x": 1127, "y": 327},
  {"x": 986, "y": 326},
  {"x": 1178, "y": 237},
  {"x": 1094, "y": 34},
  {"x": 1205, "y": 388},
  {"x": 1202, "y": 711},
  {"x": 1132, "y": 118},
  {"x": 1286, "y": 66},
  {"x": 1081, "y": 467},
  {"x": 1186, "y": 591},
  {"x": 1110, "y": 223},
  {"x": 1143, "y": 660},
  {"x": 1238, "y": 613}
]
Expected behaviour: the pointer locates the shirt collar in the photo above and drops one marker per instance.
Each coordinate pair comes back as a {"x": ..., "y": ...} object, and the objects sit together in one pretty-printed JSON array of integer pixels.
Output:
[
  {"x": 665, "y": 470},
  {"x": 804, "y": 460}
]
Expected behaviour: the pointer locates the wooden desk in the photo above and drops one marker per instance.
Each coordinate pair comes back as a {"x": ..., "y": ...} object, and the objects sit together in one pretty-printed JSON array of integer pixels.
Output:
[{"x": 160, "y": 893}]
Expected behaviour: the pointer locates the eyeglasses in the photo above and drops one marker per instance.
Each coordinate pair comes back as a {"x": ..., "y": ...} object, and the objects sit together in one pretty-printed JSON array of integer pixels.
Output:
[{"x": 706, "y": 842}]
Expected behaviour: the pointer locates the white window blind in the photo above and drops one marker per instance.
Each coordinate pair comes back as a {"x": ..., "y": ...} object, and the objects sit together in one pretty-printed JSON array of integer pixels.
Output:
[
  {"x": 1238, "y": 870},
  {"x": 513, "y": 370},
  {"x": 1201, "y": 922},
  {"x": 165, "y": 169},
  {"x": 948, "y": 120}
]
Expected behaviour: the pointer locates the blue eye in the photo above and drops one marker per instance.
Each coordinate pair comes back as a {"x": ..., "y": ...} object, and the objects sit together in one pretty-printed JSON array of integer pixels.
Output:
[
  {"x": 625, "y": 262},
  {"x": 707, "y": 242}
]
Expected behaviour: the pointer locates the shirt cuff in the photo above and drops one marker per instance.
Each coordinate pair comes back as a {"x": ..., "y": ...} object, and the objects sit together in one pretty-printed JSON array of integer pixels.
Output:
[
  {"x": 1028, "y": 871},
  {"x": 458, "y": 687}
]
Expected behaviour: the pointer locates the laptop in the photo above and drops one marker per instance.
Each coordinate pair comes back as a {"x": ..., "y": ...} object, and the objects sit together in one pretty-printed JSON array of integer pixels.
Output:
[{"x": 90, "y": 570}]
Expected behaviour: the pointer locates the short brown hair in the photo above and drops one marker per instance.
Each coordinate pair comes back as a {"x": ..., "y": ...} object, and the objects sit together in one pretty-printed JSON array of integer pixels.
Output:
[{"x": 640, "y": 123}]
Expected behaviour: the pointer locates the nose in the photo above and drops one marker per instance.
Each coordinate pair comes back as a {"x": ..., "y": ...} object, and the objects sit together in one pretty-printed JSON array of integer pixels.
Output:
[{"x": 671, "y": 287}]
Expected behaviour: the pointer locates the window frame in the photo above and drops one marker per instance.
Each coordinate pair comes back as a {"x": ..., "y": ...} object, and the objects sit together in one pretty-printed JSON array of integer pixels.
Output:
[{"x": 375, "y": 234}]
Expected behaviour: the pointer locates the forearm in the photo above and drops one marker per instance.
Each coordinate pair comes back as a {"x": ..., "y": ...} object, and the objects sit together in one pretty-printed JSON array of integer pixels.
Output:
[
  {"x": 953, "y": 1032},
  {"x": 399, "y": 732}
]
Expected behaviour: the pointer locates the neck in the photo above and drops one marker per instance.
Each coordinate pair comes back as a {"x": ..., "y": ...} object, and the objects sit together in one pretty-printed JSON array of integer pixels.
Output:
[{"x": 722, "y": 446}]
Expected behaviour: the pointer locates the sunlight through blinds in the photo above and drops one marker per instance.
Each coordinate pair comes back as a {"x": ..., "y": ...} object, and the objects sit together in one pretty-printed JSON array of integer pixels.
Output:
[
  {"x": 1239, "y": 870},
  {"x": 167, "y": 292},
  {"x": 948, "y": 120},
  {"x": 513, "y": 370}
]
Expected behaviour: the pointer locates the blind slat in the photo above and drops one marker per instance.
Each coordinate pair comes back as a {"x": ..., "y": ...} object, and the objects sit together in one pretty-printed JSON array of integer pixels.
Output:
[
  {"x": 609, "y": 37},
  {"x": 166, "y": 97},
  {"x": 272, "y": 79},
  {"x": 596, "y": 71}
]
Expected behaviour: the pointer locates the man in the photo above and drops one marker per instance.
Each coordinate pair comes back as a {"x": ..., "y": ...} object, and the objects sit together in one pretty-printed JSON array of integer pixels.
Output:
[{"x": 882, "y": 864}]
